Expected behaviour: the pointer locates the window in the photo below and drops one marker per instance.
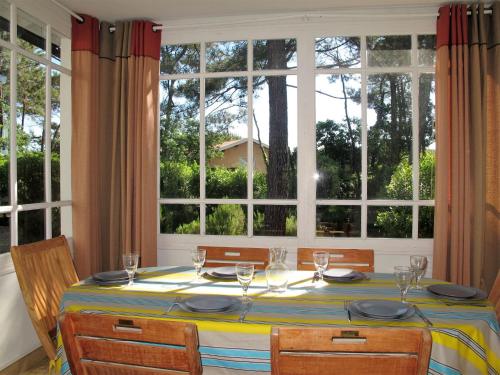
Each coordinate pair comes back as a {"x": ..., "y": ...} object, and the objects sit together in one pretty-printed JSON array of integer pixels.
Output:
[
  {"x": 31, "y": 117},
  {"x": 223, "y": 103},
  {"x": 336, "y": 117},
  {"x": 374, "y": 136}
]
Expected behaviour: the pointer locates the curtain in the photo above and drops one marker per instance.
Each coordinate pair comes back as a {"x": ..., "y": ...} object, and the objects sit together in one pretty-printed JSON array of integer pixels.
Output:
[
  {"x": 115, "y": 82},
  {"x": 467, "y": 219}
]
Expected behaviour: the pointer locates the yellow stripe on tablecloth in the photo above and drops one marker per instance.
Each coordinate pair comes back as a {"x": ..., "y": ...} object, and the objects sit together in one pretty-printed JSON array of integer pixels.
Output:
[{"x": 466, "y": 352}]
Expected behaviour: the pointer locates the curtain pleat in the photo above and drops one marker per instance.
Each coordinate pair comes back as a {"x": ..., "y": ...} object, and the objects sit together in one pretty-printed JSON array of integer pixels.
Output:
[
  {"x": 463, "y": 82},
  {"x": 114, "y": 166}
]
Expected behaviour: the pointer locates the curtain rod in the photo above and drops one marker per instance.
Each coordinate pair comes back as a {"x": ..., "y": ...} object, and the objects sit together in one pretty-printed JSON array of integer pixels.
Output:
[{"x": 305, "y": 17}]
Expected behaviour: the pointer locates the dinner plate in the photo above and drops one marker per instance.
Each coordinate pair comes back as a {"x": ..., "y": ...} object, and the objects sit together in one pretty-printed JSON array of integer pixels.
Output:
[
  {"x": 210, "y": 304},
  {"x": 408, "y": 311},
  {"x": 381, "y": 308},
  {"x": 452, "y": 290},
  {"x": 480, "y": 295},
  {"x": 343, "y": 275},
  {"x": 224, "y": 271},
  {"x": 110, "y": 276}
]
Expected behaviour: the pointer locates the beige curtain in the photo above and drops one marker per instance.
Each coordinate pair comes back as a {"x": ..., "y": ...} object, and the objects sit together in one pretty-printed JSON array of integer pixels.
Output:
[
  {"x": 114, "y": 148},
  {"x": 467, "y": 223}
]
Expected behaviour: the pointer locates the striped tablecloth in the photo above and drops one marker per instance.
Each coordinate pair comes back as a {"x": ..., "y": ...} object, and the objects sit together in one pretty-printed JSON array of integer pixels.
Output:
[{"x": 465, "y": 338}]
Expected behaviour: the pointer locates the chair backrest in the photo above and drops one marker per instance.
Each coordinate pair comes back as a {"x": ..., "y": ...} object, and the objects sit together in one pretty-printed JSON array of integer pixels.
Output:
[
  {"x": 45, "y": 270},
  {"x": 357, "y": 259},
  {"x": 350, "y": 350},
  {"x": 110, "y": 344},
  {"x": 218, "y": 256},
  {"x": 494, "y": 295}
]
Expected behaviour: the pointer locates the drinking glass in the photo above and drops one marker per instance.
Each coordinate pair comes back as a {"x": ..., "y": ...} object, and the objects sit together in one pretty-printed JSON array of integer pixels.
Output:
[
  {"x": 244, "y": 272},
  {"x": 321, "y": 262},
  {"x": 403, "y": 276},
  {"x": 418, "y": 264},
  {"x": 198, "y": 257},
  {"x": 130, "y": 262}
]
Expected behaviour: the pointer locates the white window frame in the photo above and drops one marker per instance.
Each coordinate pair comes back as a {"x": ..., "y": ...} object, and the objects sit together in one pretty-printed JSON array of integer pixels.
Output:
[
  {"x": 173, "y": 248},
  {"x": 64, "y": 203}
]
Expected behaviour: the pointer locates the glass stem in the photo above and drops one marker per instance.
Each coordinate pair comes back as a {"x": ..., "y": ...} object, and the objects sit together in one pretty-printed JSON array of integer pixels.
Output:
[
  {"x": 403, "y": 297},
  {"x": 130, "y": 278}
]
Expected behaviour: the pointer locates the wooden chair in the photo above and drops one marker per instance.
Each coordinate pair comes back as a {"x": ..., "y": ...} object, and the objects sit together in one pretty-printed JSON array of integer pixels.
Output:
[
  {"x": 494, "y": 295},
  {"x": 358, "y": 259},
  {"x": 45, "y": 270},
  {"x": 227, "y": 256},
  {"x": 349, "y": 351},
  {"x": 118, "y": 345}
]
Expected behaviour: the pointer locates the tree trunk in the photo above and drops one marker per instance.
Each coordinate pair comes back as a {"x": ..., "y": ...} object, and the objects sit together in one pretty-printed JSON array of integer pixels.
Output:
[{"x": 279, "y": 158}]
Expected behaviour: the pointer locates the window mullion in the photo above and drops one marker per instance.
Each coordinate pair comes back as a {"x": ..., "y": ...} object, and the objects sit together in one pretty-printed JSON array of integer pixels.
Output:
[
  {"x": 249, "y": 138},
  {"x": 415, "y": 133},
  {"x": 202, "y": 139},
  {"x": 364, "y": 140},
  {"x": 13, "y": 128},
  {"x": 47, "y": 140}
]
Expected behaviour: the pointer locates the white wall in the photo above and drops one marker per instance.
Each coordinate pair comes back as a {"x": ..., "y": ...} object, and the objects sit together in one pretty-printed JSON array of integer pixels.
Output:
[{"x": 18, "y": 337}]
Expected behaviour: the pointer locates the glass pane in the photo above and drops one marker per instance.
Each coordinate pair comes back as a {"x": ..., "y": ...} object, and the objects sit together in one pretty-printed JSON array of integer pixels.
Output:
[
  {"x": 180, "y": 138},
  {"x": 55, "y": 48},
  {"x": 4, "y": 125},
  {"x": 4, "y": 233},
  {"x": 180, "y": 218},
  {"x": 226, "y": 137},
  {"x": 30, "y": 130},
  {"x": 426, "y": 222},
  {"x": 55, "y": 128},
  {"x": 389, "y": 136},
  {"x": 389, "y": 222},
  {"x": 226, "y": 219},
  {"x": 338, "y": 52},
  {"x": 31, "y": 226},
  {"x": 226, "y": 56},
  {"x": 4, "y": 20},
  {"x": 275, "y": 221},
  {"x": 338, "y": 221},
  {"x": 275, "y": 54},
  {"x": 427, "y": 142},
  {"x": 180, "y": 58},
  {"x": 275, "y": 137},
  {"x": 389, "y": 50},
  {"x": 338, "y": 136},
  {"x": 56, "y": 222},
  {"x": 31, "y": 33},
  {"x": 427, "y": 50}
]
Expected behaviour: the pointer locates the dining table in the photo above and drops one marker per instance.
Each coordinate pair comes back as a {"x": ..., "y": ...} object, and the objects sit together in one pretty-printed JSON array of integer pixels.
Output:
[{"x": 465, "y": 334}]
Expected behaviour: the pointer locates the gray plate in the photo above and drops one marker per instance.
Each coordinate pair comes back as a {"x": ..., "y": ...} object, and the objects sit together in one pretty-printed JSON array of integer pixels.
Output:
[
  {"x": 452, "y": 290},
  {"x": 353, "y": 276},
  {"x": 381, "y": 308},
  {"x": 229, "y": 271},
  {"x": 480, "y": 295},
  {"x": 211, "y": 274},
  {"x": 110, "y": 276},
  {"x": 409, "y": 313},
  {"x": 210, "y": 304}
]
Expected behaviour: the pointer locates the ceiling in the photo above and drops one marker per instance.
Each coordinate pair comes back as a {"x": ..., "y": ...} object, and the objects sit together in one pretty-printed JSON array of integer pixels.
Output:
[{"x": 176, "y": 10}]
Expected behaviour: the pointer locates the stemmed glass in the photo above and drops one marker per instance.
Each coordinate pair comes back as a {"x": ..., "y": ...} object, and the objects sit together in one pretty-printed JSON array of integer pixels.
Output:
[
  {"x": 244, "y": 272},
  {"x": 198, "y": 257},
  {"x": 418, "y": 264},
  {"x": 403, "y": 276},
  {"x": 321, "y": 262},
  {"x": 130, "y": 262}
]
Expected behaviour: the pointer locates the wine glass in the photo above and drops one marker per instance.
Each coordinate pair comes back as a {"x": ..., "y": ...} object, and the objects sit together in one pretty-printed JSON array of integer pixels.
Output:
[
  {"x": 244, "y": 272},
  {"x": 198, "y": 257},
  {"x": 418, "y": 264},
  {"x": 403, "y": 276},
  {"x": 321, "y": 262},
  {"x": 130, "y": 262}
]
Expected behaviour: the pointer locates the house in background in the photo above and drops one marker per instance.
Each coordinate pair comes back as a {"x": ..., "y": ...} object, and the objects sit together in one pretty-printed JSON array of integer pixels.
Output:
[{"x": 235, "y": 155}]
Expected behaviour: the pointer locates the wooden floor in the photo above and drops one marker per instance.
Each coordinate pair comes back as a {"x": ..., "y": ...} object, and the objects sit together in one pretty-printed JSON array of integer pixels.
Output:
[{"x": 35, "y": 363}]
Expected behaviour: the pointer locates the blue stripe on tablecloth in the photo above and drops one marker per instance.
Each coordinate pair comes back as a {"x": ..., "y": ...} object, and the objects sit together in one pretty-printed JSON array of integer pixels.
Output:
[
  {"x": 442, "y": 368},
  {"x": 248, "y": 366},
  {"x": 230, "y": 352}
]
